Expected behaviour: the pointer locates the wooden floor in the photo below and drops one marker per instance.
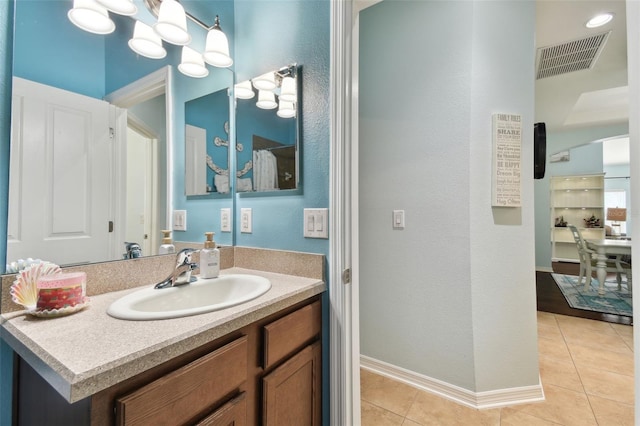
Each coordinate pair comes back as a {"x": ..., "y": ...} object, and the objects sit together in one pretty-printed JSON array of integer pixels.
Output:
[{"x": 550, "y": 299}]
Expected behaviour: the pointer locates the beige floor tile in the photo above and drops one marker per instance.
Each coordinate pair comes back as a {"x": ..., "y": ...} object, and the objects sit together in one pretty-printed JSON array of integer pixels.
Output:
[
  {"x": 547, "y": 318},
  {"x": 621, "y": 363},
  {"x": 606, "y": 384},
  {"x": 386, "y": 393},
  {"x": 554, "y": 349},
  {"x": 629, "y": 342},
  {"x": 372, "y": 415},
  {"x": 623, "y": 330},
  {"x": 595, "y": 339},
  {"x": 568, "y": 324},
  {"x": 408, "y": 422},
  {"x": 562, "y": 406},
  {"x": 560, "y": 373},
  {"x": 431, "y": 410},
  {"x": 549, "y": 331},
  {"x": 513, "y": 417},
  {"x": 611, "y": 412}
]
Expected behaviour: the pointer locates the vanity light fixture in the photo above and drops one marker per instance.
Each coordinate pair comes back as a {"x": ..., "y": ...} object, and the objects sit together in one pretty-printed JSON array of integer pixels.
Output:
[
  {"x": 146, "y": 42},
  {"x": 286, "y": 109},
  {"x": 244, "y": 90},
  {"x": 288, "y": 90},
  {"x": 192, "y": 63},
  {"x": 172, "y": 23},
  {"x": 91, "y": 16},
  {"x": 121, "y": 7},
  {"x": 216, "y": 52},
  {"x": 266, "y": 81},
  {"x": 599, "y": 20},
  {"x": 266, "y": 99}
]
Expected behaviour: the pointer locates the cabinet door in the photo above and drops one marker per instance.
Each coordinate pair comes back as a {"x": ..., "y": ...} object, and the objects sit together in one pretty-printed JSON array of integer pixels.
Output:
[
  {"x": 233, "y": 413},
  {"x": 291, "y": 393}
]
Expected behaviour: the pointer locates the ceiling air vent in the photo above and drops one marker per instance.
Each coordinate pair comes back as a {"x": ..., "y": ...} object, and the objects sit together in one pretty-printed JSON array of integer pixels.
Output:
[{"x": 569, "y": 57}]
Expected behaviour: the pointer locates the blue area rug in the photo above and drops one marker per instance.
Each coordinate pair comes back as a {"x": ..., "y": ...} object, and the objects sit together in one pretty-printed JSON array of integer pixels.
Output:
[{"x": 612, "y": 302}]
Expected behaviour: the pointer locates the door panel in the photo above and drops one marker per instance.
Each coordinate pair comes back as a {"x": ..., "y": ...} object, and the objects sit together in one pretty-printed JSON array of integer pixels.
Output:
[{"x": 60, "y": 187}]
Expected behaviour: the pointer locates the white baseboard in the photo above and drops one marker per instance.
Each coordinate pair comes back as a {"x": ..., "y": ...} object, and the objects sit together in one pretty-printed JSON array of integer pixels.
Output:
[
  {"x": 544, "y": 269},
  {"x": 478, "y": 400}
]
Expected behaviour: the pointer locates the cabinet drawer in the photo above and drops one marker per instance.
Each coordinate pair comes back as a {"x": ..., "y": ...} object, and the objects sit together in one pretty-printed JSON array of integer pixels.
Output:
[
  {"x": 233, "y": 413},
  {"x": 283, "y": 337},
  {"x": 184, "y": 394}
]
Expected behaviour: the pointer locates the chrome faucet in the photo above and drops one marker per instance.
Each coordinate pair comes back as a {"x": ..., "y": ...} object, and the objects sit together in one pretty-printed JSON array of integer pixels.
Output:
[
  {"x": 182, "y": 273},
  {"x": 133, "y": 250}
]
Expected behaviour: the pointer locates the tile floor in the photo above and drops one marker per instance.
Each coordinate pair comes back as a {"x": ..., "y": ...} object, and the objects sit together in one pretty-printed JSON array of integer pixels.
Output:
[{"x": 587, "y": 374}]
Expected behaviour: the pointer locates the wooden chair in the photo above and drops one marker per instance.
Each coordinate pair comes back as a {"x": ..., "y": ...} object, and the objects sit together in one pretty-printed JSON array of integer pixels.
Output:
[{"x": 588, "y": 262}]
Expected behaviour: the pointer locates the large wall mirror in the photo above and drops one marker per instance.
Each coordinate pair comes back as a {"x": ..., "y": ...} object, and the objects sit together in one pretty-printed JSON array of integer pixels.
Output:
[
  {"x": 61, "y": 210},
  {"x": 268, "y": 132}
]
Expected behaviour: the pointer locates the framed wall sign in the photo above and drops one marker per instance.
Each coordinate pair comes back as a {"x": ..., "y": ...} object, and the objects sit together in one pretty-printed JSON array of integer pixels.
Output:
[{"x": 507, "y": 149}]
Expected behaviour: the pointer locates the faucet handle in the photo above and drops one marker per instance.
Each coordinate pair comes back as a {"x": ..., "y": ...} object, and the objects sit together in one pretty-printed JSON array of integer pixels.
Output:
[{"x": 184, "y": 256}]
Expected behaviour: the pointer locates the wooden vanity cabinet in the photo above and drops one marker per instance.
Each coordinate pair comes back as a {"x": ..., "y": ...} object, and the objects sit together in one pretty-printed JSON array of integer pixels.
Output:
[
  {"x": 268, "y": 372},
  {"x": 291, "y": 392}
]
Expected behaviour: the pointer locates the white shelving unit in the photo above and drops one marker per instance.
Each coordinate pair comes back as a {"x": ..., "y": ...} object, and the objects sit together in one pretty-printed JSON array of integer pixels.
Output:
[{"x": 575, "y": 198}]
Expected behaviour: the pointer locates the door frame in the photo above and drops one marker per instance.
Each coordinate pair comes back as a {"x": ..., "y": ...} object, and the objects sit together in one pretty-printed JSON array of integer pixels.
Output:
[{"x": 155, "y": 84}]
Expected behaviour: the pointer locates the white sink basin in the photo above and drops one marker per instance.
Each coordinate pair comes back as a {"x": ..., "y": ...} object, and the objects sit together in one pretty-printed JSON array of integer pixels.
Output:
[{"x": 201, "y": 296}]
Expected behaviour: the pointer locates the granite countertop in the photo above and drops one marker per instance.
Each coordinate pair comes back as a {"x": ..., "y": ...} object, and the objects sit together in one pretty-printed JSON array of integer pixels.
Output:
[{"x": 84, "y": 353}]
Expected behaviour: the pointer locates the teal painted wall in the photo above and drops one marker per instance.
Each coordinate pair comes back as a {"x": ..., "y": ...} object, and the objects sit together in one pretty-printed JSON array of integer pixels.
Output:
[
  {"x": 6, "y": 53},
  {"x": 270, "y": 35}
]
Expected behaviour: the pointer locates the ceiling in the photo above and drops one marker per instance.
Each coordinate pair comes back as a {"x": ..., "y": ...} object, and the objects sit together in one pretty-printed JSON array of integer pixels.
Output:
[{"x": 590, "y": 97}]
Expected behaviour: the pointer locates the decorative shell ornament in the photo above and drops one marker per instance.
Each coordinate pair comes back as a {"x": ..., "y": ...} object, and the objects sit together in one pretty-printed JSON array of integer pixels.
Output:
[{"x": 24, "y": 290}]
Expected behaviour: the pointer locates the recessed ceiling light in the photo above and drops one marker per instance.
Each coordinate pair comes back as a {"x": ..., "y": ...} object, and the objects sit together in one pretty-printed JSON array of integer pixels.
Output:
[{"x": 599, "y": 20}]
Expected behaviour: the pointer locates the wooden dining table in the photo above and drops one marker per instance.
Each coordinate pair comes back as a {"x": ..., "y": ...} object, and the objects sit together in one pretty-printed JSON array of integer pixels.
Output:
[{"x": 603, "y": 249}]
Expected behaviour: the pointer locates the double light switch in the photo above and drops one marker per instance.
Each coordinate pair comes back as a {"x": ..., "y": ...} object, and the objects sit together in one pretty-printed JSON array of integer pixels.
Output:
[{"x": 316, "y": 223}]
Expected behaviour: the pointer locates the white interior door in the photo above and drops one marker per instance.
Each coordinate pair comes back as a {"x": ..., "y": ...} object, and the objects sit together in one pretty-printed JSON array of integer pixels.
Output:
[
  {"x": 195, "y": 170},
  {"x": 60, "y": 186},
  {"x": 140, "y": 189}
]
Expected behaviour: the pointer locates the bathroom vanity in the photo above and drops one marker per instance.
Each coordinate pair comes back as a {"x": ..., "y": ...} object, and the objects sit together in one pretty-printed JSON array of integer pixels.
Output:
[{"x": 255, "y": 363}]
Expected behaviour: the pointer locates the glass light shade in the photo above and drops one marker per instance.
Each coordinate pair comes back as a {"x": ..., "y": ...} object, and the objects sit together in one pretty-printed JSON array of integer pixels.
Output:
[
  {"x": 265, "y": 82},
  {"x": 146, "y": 42},
  {"x": 121, "y": 7},
  {"x": 243, "y": 90},
  {"x": 286, "y": 109},
  {"x": 91, "y": 16},
  {"x": 288, "y": 90},
  {"x": 216, "y": 50},
  {"x": 599, "y": 20},
  {"x": 192, "y": 63},
  {"x": 266, "y": 100},
  {"x": 172, "y": 23}
]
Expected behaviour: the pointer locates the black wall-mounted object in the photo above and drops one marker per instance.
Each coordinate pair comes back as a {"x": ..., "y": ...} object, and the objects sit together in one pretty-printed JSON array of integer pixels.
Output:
[{"x": 539, "y": 150}]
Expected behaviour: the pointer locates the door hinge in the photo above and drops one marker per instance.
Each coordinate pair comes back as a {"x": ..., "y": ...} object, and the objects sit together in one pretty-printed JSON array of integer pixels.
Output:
[
  {"x": 112, "y": 132},
  {"x": 110, "y": 226},
  {"x": 346, "y": 276}
]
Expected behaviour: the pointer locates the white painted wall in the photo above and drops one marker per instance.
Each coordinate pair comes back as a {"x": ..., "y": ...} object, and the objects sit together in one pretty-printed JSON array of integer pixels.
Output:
[{"x": 452, "y": 296}]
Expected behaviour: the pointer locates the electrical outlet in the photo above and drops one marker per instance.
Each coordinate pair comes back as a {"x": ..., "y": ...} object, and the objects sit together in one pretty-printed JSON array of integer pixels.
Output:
[
  {"x": 245, "y": 221},
  {"x": 316, "y": 223},
  {"x": 225, "y": 220},
  {"x": 179, "y": 220}
]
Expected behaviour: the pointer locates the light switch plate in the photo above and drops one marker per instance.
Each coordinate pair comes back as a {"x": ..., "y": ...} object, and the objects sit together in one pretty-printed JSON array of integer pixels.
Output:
[
  {"x": 245, "y": 220},
  {"x": 179, "y": 220},
  {"x": 225, "y": 220},
  {"x": 316, "y": 223},
  {"x": 398, "y": 219}
]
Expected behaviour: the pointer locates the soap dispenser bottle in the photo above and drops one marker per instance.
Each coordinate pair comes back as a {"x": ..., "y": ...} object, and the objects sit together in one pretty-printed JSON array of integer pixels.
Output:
[
  {"x": 209, "y": 258},
  {"x": 167, "y": 246}
]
